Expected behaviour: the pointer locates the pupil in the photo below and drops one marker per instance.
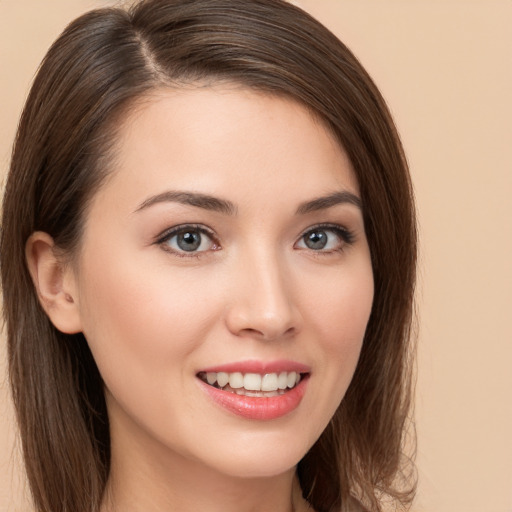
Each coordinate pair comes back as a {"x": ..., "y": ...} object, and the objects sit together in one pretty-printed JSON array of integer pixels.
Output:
[
  {"x": 189, "y": 241},
  {"x": 316, "y": 240}
]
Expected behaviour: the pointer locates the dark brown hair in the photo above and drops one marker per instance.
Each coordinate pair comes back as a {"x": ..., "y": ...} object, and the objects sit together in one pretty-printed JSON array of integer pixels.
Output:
[{"x": 102, "y": 63}]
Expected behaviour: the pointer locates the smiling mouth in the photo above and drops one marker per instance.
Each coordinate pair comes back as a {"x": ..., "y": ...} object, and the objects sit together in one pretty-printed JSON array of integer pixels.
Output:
[{"x": 253, "y": 384}]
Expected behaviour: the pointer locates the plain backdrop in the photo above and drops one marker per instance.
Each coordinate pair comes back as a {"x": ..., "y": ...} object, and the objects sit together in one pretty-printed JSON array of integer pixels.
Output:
[{"x": 445, "y": 68}]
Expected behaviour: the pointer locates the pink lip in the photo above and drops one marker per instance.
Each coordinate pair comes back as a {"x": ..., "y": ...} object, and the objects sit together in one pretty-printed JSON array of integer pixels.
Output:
[
  {"x": 261, "y": 367},
  {"x": 258, "y": 408}
]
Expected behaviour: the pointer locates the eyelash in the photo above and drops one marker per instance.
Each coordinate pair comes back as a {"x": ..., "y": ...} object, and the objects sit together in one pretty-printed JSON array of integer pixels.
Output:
[
  {"x": 347, "y": 237},
  {"x": 168, "y": 234}
]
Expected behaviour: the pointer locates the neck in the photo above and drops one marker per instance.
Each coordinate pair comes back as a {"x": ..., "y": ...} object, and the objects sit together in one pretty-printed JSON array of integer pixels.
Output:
[
  {"x": 190, "y": 491},
  {"x": 149, "y": 478}
]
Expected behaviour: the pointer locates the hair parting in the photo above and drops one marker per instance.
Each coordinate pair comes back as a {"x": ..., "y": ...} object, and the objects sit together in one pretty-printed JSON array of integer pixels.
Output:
[{"x": 102, "y": 65}]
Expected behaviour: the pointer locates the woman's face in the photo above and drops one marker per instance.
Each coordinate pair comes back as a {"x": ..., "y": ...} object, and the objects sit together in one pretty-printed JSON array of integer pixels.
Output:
[{"x": 227, "y": 245}]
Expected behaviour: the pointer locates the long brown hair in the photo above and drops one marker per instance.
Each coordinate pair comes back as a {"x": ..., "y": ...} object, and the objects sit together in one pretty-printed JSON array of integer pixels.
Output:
[{"x": 92, "y": 74}]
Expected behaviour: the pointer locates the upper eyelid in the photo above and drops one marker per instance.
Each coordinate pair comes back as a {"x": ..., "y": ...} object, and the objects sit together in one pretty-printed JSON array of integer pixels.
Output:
[
  {"x": 172, "y": 231},
  {"x": 168, "y": 232},
  {"x": 348, "y": 237},
  {"x": 327, "y": 226}
]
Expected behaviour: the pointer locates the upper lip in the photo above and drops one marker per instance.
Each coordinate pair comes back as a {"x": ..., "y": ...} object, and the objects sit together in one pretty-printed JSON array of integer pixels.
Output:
[{"x": 261, "y": 367}]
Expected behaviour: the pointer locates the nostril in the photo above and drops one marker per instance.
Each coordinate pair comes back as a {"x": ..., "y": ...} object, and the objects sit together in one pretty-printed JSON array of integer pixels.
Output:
[
  {"x": 265, "y": 316},
  {"x": 268, "y": 333}
]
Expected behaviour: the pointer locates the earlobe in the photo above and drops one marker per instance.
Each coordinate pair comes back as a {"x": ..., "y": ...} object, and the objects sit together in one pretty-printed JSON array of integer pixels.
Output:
[{"x": 54, "y": 282}]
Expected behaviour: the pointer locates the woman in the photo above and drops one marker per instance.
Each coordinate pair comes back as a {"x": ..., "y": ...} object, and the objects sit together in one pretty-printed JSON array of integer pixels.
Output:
[{"x": 208, "y": 259}]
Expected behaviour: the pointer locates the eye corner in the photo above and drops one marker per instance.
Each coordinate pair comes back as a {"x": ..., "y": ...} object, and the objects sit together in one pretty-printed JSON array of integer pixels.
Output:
[
  {"x": 330, "y": 238},
  {"x": 197, "y": 240}
]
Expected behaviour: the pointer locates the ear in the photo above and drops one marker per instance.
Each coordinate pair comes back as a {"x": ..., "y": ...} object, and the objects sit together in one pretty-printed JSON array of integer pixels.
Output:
[{"x": 55, "y": 283}]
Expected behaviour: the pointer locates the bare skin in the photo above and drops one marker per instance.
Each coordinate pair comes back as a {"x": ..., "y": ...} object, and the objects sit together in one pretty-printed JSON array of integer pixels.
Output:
[{"x": 272, "y": 266}]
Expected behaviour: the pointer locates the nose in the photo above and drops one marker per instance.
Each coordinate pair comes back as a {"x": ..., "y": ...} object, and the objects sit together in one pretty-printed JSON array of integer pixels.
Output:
[{"x": 263, "y": 304}]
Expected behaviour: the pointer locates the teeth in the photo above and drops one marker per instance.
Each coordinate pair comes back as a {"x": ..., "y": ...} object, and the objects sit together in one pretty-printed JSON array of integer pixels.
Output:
[
  {"x": 291, "y": 379},
  {"x": 222, "y": 379},
  {"x": 253, "y": 384},
  {"x": 269, "y": 382},
  {"x": 236, "y": 380},
  {"x": 282, "y": 381}
]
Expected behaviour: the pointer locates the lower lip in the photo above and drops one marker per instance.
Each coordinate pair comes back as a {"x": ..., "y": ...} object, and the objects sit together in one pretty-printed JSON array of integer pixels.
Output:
[{"x": 258, "y": 408}]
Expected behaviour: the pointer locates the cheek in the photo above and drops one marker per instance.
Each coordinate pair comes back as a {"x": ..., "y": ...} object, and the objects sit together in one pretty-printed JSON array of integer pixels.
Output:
[
  {"x": 341, "y": 307},
  {"x": 138, "y": 323},
  {"x": 338, "y": 318}
]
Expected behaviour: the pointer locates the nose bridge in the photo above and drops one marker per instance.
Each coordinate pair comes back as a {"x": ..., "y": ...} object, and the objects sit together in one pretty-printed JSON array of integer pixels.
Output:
[{"x": 264, "y": 303}]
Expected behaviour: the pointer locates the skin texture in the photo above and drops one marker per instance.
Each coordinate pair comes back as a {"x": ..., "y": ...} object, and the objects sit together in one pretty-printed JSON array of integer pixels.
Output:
[{"x": 154, "y": 315}]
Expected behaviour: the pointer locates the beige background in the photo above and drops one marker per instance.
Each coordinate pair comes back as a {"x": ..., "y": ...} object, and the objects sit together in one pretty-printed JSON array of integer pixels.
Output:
[{"x": 445, "y": 68}]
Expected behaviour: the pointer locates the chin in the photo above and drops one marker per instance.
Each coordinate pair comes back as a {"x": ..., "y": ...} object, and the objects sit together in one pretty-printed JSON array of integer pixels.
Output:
[{"x": 260, "y": 457}]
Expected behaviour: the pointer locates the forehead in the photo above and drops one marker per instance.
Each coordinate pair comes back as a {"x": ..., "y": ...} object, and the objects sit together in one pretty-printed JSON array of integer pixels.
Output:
[{"x": 216, "y": 137}]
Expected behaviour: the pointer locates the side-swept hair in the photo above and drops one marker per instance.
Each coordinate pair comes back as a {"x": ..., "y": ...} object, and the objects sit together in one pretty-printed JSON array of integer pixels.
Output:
[{"x": 95, "y": 71}]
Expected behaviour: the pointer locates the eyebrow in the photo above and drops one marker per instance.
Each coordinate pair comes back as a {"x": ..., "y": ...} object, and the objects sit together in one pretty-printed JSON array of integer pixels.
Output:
[
  {"x": 224, "y": 206},
  {"x": 334, "y": 199},
  {"x": 193, "y": 199}
]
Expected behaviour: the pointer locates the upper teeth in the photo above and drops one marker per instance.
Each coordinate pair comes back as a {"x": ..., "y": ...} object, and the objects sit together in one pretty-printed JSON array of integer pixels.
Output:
[{"x": 254, "y": 381}]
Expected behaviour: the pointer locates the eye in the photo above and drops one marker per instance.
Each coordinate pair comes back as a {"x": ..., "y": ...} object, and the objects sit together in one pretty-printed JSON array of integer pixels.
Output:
[
  {"x": 188, "y": 239},
  {"x": 325, "y": 238}
]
